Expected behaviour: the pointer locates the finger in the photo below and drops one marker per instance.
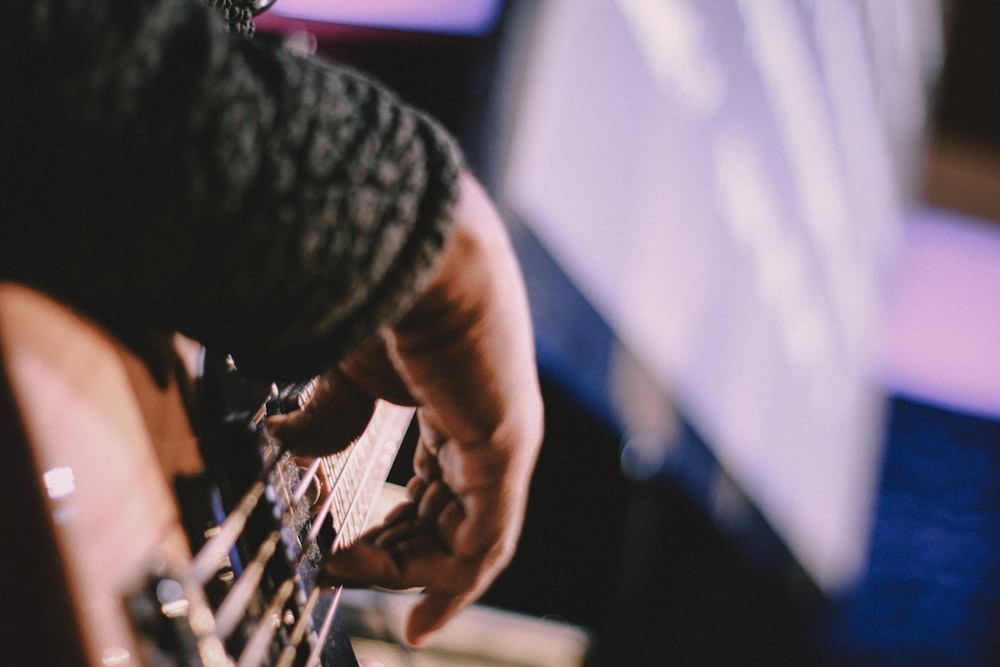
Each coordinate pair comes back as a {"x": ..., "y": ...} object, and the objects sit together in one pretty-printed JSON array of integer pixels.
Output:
[
  {"x": 336, "y": 415},
  {"x": 449, "y": 520},
  {"x": 434, "y": 499},
  {"x": 431, "y": 435},
  {"x": 371, "y": 368},
  {"x": 425, "y": 462},
  {"x": 392, "y": 535},
  {"x": 363, "y": 564},
  {"x": 405, "y": 511},
  {"x": 421, "y": 544},
  {"x": 419, "y": 563},
  {"x": 432, "y": 611},
  {"x": 415, "y": 488}
]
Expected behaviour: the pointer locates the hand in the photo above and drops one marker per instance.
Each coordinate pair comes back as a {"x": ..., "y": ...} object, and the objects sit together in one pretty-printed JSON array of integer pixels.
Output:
[{"x": 464, "y": 354}]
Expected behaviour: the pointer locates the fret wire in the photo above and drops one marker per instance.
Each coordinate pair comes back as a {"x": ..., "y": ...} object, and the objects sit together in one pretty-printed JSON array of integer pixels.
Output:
[
  {"x": 352, "y": 455},
  {"x": 387, "y": 444},
  {"x": 378, "y": 449},
  {"x": 333, "y": 465},
  {"x": 345, "y": 458},
  {"x": 371, "y": 451},
  {"x": 338, "y": 538},
  {"x": 335, "y": 498}
]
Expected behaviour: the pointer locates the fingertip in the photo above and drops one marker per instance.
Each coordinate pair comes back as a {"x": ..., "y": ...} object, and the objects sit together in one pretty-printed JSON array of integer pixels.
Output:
[
  {"x": 429, "y": 615},
  {"x": 415, "y": 488},
  {"x": 449, "y": 521},
  {"x": 416, "y": 635},
  {"x": 404, "y": 511},
  {"x": 276, "y": 427},
  {"x": 353, "y": 566}
]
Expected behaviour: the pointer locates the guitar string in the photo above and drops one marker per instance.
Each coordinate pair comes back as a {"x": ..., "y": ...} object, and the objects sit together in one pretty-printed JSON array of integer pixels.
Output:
[
  {"x": 205, "y": 563},
  {"x": 389, "y": 432},
  {"x": 233, "y": 607},
  {"x": 256, "y": 649},
  {"x": 235, "y": 604},
  {"x": 376, "y": 449},
  {"x": 298, "y": 634},
  {"x": 314, "y": 656},
  {"x": 239, "y": 597},
  {"x": 324, "y": 632},
  {"x": 306, "y": 480},
  {"x": 393, "y": 434}
]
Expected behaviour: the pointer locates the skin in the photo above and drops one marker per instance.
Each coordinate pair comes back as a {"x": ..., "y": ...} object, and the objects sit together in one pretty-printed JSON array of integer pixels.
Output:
[{"x": 464, "y": 355}]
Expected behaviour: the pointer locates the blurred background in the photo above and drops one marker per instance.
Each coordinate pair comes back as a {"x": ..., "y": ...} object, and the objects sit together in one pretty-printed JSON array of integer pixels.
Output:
[{"x": 759, "y": 244}]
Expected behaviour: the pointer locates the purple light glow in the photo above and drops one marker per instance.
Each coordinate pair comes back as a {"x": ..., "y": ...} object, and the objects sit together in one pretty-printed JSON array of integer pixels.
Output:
[{"x": 467, "y": 17}]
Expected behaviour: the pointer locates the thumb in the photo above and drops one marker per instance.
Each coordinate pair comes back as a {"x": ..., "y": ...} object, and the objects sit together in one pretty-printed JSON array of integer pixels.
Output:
[{"x": 334, "y": 417}]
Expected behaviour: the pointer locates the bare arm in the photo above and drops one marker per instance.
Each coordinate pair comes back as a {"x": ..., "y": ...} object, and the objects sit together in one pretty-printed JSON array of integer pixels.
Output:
[{"x": 464, "y": 354}]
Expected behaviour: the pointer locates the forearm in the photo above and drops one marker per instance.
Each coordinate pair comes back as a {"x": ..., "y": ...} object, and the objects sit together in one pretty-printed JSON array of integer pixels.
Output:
[
  {"x": 473, "y": 319},
  {"x": 465, "y": 353}
]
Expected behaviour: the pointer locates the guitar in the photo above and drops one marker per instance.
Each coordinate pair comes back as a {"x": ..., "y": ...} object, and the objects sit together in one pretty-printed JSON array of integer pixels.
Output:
[{"x": 150, "y": 520}]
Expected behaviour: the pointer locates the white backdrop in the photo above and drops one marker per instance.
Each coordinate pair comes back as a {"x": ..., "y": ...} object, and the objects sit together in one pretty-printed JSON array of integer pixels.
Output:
[{"x": 726, "y": 181}]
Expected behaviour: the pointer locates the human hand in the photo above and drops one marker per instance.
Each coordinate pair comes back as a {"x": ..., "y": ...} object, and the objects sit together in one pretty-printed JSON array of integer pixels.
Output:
[{"x": 464, "y": 354}]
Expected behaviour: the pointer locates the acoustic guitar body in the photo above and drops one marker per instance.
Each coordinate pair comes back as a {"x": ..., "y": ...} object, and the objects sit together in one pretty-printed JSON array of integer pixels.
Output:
[{"x": 148, "y": 520}]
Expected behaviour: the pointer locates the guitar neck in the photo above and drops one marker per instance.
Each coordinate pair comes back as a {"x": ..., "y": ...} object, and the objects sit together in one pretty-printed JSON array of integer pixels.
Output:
[
  {"x": 257, "y": 561},
  {"x": 186, "y": 537},
  {"x": 353, "y": 478}
]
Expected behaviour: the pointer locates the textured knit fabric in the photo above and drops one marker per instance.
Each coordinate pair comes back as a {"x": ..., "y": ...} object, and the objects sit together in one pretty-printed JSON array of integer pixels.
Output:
[
  {"x": 237, "y": 14},
  {"x": 162, "y": 172}
]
